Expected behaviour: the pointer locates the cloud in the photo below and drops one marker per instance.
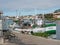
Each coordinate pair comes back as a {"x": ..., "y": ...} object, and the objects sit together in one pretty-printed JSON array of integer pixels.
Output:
[{"x": 16, "y": 4}]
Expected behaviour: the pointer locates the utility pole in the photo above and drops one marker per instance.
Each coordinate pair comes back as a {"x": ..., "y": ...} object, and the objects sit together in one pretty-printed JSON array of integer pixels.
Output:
[
  {"x": 19, "y": 12},
  {"x": 16, "y": 12}
]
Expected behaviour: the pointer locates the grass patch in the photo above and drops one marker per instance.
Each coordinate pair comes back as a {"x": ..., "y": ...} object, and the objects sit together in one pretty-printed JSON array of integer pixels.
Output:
[{"x": 44, "y": 34}]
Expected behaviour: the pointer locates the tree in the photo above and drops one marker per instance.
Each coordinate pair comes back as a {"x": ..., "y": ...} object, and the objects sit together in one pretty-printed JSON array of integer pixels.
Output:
[
  {"x": 58, "y": 10},
  {"x": 48, "y": 16}
]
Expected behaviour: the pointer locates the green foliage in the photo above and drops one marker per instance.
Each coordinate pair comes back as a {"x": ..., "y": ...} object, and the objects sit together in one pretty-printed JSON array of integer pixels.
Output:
[
  {"x": 45, "y": 34},
  {"x": 34, "y": 26},
  {"x": 16, "y": 21},
  {"x": 58, "y": 10},
  {"x": 41, "y": 34},
  {"x": 43, "y": 25},
  {"x": 48, "y": 16},
  {"x": 57, "y": 19},
  {"x": 51, "y": 32}
]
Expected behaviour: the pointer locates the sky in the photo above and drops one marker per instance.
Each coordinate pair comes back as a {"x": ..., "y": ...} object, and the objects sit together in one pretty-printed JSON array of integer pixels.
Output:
[{"x": 28, "y": 7}]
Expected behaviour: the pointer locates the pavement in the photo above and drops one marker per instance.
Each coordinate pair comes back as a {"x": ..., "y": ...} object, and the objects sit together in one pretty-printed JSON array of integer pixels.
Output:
[{"x": 24, "y": 39}]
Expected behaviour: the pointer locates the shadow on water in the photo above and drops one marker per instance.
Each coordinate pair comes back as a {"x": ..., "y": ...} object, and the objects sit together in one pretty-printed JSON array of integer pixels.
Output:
[{"x": 18, "y": 41}]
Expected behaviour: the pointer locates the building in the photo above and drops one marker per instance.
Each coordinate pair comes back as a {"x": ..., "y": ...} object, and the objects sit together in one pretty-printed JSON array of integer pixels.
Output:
[{"x": 56, "y": 15}]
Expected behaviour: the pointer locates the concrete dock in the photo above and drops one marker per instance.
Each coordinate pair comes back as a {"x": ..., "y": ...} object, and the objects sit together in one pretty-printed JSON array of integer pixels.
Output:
[{"x": 24, "y": 39}]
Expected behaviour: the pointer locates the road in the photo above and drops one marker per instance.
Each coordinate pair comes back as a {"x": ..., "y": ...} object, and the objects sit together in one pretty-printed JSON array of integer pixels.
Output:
[{"x": 24, "y": 39}]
